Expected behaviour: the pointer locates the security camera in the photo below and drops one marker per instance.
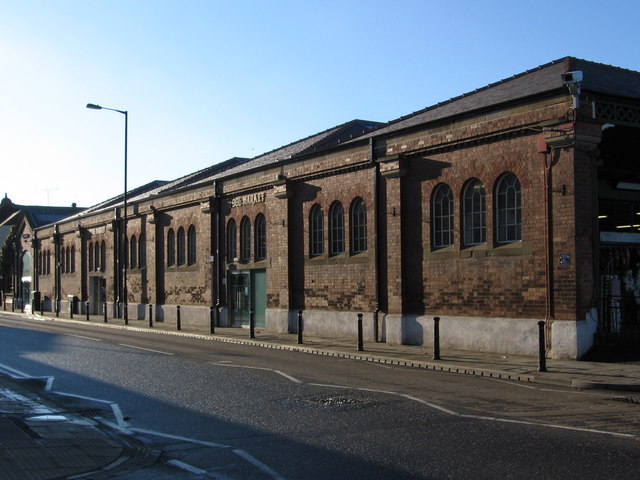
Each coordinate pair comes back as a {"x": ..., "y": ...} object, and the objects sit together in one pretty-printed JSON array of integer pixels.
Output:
[{"x": 572, "y": 77}]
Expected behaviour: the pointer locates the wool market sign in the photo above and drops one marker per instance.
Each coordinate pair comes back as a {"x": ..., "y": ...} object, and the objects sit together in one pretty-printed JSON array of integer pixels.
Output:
[{"x": 251, "y": 199}]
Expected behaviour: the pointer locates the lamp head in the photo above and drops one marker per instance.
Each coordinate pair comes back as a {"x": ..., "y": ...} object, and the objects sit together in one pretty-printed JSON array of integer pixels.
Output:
[{"x": 93, "y": 106}]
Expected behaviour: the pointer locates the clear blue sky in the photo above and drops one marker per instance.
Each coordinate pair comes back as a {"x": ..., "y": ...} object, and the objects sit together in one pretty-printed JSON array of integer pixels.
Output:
[{"x": 204, "y": 81}]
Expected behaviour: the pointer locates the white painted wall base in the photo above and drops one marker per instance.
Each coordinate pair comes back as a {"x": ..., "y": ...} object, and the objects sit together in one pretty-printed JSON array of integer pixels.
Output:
[{"x": 570, "y": 339}]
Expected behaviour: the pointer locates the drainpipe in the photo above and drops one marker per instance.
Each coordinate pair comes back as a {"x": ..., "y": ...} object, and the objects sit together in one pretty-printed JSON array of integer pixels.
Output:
[
  {"x": 56, "y": 268},
  {"x": 548, "y": 160},
  {"x": 376, "y": 222}
]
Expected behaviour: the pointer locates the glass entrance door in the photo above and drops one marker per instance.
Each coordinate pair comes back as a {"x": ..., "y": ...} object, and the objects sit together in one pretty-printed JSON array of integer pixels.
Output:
[{"x": 239, "y": 298}]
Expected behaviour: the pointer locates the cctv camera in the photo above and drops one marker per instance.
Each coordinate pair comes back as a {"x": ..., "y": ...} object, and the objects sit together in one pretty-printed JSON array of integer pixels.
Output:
[{"x": 572, "y": 77}]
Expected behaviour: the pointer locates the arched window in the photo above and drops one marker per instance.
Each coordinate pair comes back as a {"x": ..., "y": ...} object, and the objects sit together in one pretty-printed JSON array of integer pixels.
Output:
[
  {"x": 245, "y": 239},
  {"x": 90, "y": 255},
  {"x": 72, "y": 260},
  {"x": 103, "y": 256},
  {"x": 260, "y": 237},
  {"x": 358, "y": 226},
  {"x": 336, "y": 228},
  {"x": 171, "y": 248},
  {"x": 181, "y": 246},
  {"x": 98, "y": 265},
  {"x": 133, "y": 252},
  {"x": 316, "y": 231},
  {"x": 232, "y": 240},
  {"x": 48, "y": 263},
  {"x": 191, "y": 245},
  {"x": 142, "y": 257},
  {"x": 62, "y": 260},
  {"x": 442, "y": 216},
  {"x": 508, "y": 209},
  {"x": 474, "y": 207}
]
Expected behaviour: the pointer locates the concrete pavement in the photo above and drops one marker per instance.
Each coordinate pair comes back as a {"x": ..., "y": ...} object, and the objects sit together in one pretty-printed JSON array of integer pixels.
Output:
[{"x": 38, "y": 441}]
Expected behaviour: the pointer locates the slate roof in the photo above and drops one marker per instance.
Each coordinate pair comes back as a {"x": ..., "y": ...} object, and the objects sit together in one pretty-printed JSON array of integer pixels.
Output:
[
  {"x": 35, "y": 215},
  {"x": 545, "y": 79}
]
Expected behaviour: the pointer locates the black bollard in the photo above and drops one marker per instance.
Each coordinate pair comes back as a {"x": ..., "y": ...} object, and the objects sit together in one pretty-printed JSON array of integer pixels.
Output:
[
  {"x": 212, "y": 320},
  {"x": 252, "y": 323},
  {"x": 86, "y": 309},
  {"x": 125, "y": 307},
  {"x": 436, "y": 338},
  {"x": 360, "y": 340},
  {"x": 104, "y": 311},
  {"x": 150, "y": 316},
  {"x": 178, "y": 323},
  {"x": 542, "y": 360},
  {"x": 42, "y": 307},
  {"x": 300, "y": 327},
  {"x": 57, "y": 307}
]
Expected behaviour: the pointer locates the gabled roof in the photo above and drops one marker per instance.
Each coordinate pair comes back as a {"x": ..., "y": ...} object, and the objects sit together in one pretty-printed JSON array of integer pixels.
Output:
[
  {"x": 546, "y": 79},
  {"x": 314, "y": 143},
  {"x": 35, "y": 215}
]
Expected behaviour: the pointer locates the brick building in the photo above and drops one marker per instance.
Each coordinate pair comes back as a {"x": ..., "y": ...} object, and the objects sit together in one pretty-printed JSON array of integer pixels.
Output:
[{"x": 512, "y": 204}]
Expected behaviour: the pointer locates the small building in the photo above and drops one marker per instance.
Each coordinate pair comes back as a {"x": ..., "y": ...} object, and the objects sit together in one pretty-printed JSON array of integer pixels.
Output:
[
  {"x": 17, "y": 237},
  {"x": 513, "y": 204}
]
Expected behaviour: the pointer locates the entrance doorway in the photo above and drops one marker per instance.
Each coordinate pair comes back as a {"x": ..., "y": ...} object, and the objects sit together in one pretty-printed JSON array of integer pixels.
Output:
[
  {"x": 247, "y": 289},
  {"x": 97, "y": 294}
]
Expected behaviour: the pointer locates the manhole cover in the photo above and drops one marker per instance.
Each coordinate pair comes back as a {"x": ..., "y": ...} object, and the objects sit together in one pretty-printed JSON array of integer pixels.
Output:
[{"x": 330, "y": 401}]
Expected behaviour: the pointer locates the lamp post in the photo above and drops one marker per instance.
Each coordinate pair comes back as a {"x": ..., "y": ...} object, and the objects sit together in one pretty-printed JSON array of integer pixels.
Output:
[{"x": 123, "y": 247}]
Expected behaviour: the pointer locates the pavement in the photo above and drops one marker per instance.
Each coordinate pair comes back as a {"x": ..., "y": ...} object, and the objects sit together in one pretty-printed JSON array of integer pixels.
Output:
[{"x": 40, "y": 442}]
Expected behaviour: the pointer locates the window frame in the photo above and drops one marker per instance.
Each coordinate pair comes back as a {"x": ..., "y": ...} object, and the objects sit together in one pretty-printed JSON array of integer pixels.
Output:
[
  {"x": 232, "y": 240},
  {"x": 474, "y": 213},
  {"x": 358, "y": 226},
  {"x": 181, "y": 247},
  {"x": 260, "y": 237},
  {"x": 245, "y": 239},
  {"x": 508, "y": 209},
  {"x": 442, "y": 216},
  {"x": 336, "y": 228},
  {"x": 171, "y": 248},
  {"x": 316, "y": 231},
  {"x": 191, "y": 245}
]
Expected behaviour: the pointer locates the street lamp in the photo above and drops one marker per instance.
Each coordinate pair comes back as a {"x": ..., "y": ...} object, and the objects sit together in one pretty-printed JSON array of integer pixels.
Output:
[{"x": 124, "y": 228}]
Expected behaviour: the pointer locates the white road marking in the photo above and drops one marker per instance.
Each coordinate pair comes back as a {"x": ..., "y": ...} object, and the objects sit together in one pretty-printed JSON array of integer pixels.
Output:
[
  {"x": 248, "y": 367},
  {"x": 82, "y": 336},
  {"x": 187, "y": 467},
  {"x": 179, "y": 438},
  {"x": 257, "y": 463},
  {"x": 145, "y": 349}
]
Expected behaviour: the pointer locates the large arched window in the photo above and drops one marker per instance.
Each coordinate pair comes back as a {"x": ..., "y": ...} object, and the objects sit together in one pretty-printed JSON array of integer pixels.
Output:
[
  {"x": 508, "y": 209},
  {"x": 181, "y": 246},
  {"x": 171, "y": 248},
  {"x": 97, "y": 264},
  {"x": 72, "y": 260},
  {"x": 336, "y": 228},
  {"x": 358, "y": 226},
  {"x": 62, "y": 260},
  {"x": 191, "y": 245},
  {"x": 474, "y": 208},
  {"x": 232, "y": 240},
  {"x": 103, "y": 256},
  {"x": 260, "y": 237},
  {"x": 245, "y": 239},
  {"x": 142, "y": 252},
  {"x": 442, "y": 216},
  {"x": 133, "y": 252},
  {"x": 90, "y": 256},
  {"x": 316, "y": 231}
]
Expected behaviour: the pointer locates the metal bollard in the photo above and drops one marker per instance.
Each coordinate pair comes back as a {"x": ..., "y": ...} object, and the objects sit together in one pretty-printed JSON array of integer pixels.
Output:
[
  {"x": 542, "y": 360},
  {"x": 86, "y": 309},
  {"x": 300, "y": 327},
  {"x": 150, "y": 316},
  {"x": 178, "y": 323},
  {"x": 42, "y": 307},
  {"x": 436, "y": 338},
  {"x": 13, "y": 303},
  {"x": 360, "y": 340},
  {"x": 21, "y": 306},
  {"x": 252, "y": 323},
  {"x": 57, "y": 307},
  {"x": 212, "y": 320},
  {"x": 125, "y": 307},
  {"x": 104, "y": 311}
]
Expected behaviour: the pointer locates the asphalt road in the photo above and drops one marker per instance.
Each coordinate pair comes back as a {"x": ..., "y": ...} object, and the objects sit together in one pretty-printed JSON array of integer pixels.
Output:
[{"x": 217, "y": 410}]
